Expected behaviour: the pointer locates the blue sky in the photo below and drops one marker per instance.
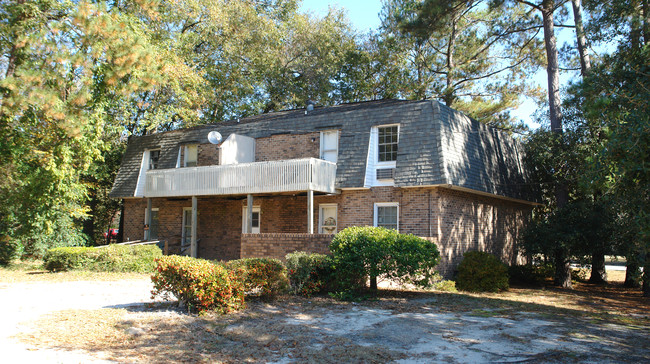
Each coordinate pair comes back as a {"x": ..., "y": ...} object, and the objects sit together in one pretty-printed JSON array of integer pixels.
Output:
[{"x": 364, "y": 15}]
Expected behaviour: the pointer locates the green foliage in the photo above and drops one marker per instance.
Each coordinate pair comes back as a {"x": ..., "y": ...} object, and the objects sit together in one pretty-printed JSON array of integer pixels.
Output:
[
  {"x": 443, "y": 285},
  {"x": 9, "y": 250},
  {"x": 112, "y": 258},
  {"x": 359, "y": 253},
  {"x": 200, "y": 284},
  {"x": 530, "y": 274},
  {"x": 474, "y": 58},
  {"x": 265, "y": 276},
  {"x": 481, "y": 272},
  {"x": 309, "y": 273}
]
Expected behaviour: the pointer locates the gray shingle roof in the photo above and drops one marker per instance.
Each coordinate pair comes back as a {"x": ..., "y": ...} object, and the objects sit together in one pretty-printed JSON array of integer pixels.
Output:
[{"x": 438, "y": 145}]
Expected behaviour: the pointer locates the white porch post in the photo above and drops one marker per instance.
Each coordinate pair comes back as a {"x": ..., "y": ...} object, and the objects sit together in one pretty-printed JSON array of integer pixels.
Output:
[
  {"x": 147, "y": 229},
  {"x": 193, "y": 247},
  {"x": 249, "y": 214},
  {"x": 310, "y": 211}
]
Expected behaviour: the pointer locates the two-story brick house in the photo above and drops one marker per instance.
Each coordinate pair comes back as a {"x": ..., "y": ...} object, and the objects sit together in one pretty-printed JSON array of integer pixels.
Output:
[{"x": 275, "y": 183}]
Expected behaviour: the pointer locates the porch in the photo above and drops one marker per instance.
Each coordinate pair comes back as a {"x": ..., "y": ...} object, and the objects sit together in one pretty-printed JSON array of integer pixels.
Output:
[{"x": 239, "y": 181}]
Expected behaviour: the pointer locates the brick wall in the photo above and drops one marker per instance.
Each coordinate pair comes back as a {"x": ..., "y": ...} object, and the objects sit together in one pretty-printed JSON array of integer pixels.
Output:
[
  {"x": 287, "y": 146},
  {"x": 208, "y": 155},
  {"x": 472, "y": 222},
  {"x": 456, "y": 221},
  {"x": 277, "y": 245}
]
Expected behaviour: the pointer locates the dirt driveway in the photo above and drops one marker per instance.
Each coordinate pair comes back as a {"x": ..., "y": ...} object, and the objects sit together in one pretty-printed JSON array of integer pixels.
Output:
[{"x": 412, "y": 328}]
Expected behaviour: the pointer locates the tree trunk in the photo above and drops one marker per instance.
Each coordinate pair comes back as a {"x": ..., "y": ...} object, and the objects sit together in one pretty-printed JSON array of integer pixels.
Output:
[
  {"x": 632, "y": 272},
  {"x": 552, "y": 68},
  {"x": 562, "y": 269},
  {"x": 373, "y": 284},
  {"x": 585, "y": 62},
  {"x": 645, "y": 8},
  {"x": 598, "y": 272}
]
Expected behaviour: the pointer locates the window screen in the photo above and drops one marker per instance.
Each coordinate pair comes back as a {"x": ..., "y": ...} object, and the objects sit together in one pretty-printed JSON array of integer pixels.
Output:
[{"x": 388, "y": 143}]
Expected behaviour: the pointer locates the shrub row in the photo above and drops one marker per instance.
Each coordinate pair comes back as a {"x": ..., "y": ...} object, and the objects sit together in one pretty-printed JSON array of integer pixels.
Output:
[
  {"x": 199, "y": 283},
  {"x": 481, "y": 272},
  {"x": 309, "y": 273},
  {"x": 9, "y": 250},
  {"x": 112, "y": 258},
  {"x": 205, "y": 285}
]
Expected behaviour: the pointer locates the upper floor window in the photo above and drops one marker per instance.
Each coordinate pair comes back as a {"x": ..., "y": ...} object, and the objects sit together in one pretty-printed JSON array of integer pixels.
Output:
[
  {"x": 329, "y": 145},
  {"x": 190, "y": 155},
  {"x": 154, "y": 156},
  {"x": 387, "y": 143}
]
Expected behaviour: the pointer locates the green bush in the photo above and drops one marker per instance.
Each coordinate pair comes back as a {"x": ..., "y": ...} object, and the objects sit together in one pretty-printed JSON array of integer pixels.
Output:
[
  {"x": 530, "y": 274},
  {"x": 359, "y": 253},
  {"x": 9, "y": 250},
  {"x": 444, "y": 285},
  {"x": 309, "y": 273},
  {"x": 481, "y": 272},
  {"x": 267, "y": 277},
  {"x": 112, "y": 258},
  {"x": 201, "y": 284}
]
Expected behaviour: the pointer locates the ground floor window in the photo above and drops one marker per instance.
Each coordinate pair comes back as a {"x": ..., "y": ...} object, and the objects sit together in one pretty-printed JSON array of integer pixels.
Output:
[
  {"x": 256, "y": 220},
  {"x": 153, "y": 227},
  {"x": 327, "y": 219},
  {"x": 387, "y": 215},
  {"x": 187, "y": 226}
]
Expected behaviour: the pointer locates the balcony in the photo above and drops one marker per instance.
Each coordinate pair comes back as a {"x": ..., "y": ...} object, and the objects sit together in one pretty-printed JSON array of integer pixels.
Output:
[{"x": 247, "y": 178}]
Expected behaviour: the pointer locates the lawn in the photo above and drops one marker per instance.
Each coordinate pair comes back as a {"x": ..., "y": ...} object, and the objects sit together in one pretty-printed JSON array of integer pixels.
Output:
[
  {"x": 591, "y": 323},
  {"x": 33, "y": 271}
]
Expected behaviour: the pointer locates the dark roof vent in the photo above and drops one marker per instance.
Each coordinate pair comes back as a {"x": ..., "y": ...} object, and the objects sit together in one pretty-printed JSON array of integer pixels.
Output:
[{"x": 310, "y": 106}]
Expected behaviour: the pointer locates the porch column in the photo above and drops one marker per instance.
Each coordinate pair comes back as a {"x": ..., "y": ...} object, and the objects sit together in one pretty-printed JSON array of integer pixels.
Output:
[
  {"x": 147, "y": 228},
  {"x": 194, "y": 223},
  {"x": 249, "y": 214},
  {"x": 310, "y": 211}
]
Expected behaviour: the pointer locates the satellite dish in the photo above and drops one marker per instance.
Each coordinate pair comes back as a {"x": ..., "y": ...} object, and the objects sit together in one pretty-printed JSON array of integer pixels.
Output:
[{"x": 214, "y": 137}]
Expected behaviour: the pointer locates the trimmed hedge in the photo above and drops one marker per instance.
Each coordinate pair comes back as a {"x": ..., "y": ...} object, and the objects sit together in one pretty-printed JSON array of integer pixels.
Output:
[
  {"x": 265, "y": 277},
  {"x": 200, "y": 284},
  {"x": 481, "y": 272},
  {"x": 112, "y": 258},
  {"x": 365, "y": 252},
  {"x": 309, "y": 273}
]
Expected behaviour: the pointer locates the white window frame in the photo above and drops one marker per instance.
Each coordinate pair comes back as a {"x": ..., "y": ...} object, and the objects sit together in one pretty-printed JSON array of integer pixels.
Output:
[
  {"x": 385, "y": 204},
  {"x": 386, "y": 164},
  {"x": 185, "y": 154},
  {"x": 149, "y": 159},
  {"x": 320, "y": 216},
  {"x": 184, "y": 239},
  {"x": 322, "y": 144},
  {"x": 146, "y": 220},
  {"x": 244, "y": 219}
]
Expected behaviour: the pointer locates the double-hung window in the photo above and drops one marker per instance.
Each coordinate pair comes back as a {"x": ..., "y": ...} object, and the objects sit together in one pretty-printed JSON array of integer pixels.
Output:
[
  {"x": 387, "y": 143},
  {"x": 154, "y": 156},
  {"x": 387, "y": 215},
  {"x": 190, "y": 155},
  {"x": 329, "y": 145}
]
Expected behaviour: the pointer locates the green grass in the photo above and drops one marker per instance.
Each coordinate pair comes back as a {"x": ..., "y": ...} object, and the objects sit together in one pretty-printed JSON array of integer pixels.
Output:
[{"x": 33, "y": 271}]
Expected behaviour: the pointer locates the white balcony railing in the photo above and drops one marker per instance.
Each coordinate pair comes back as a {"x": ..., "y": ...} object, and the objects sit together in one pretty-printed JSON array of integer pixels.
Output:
[{"x": 236, "y": 179}]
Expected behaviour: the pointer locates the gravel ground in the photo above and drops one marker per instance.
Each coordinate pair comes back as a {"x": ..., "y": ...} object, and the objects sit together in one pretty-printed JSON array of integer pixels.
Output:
[
  {"x": 21, "y": 303},
  {"x": 413, "y": 330}
]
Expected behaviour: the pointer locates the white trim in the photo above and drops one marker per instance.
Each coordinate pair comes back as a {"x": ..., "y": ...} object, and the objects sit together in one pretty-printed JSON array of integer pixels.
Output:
[
  {"x": 477, "y": 192},
  {"x": 184, "y": 223},
  {"x": 372, "y": 161},
  {"x": 244, "y": 219},
  {"x": 385, "y": 204},
  {"x": 186, "y": 153},
  {"x": 320, "y": 216},
  {"x": 322, "y": 144}
]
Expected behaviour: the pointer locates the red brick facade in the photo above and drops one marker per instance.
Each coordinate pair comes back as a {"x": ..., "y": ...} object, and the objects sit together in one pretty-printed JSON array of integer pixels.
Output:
[
  {"x": 287, "y": 146},
  {"x": 457, "y": 221}
]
